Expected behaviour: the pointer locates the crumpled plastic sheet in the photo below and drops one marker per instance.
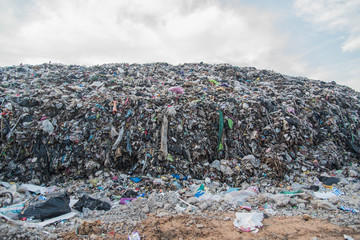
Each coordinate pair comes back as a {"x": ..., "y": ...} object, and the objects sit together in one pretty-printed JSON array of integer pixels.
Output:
[{"x": 249, "y": 222}]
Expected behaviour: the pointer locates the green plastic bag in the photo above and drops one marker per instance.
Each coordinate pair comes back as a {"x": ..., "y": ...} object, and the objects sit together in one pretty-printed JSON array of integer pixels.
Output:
[
  {"x": 230, "y": 123},
  {"x": 213, "y": 81}
]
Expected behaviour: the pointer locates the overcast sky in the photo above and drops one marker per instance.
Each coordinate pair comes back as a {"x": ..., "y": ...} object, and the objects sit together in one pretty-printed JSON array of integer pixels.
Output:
[{"x": 318, "y": 39}]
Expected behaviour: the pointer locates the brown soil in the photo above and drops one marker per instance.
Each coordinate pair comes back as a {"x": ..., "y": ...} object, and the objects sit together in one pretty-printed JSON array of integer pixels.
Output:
[{"x": 188, "y": 227}]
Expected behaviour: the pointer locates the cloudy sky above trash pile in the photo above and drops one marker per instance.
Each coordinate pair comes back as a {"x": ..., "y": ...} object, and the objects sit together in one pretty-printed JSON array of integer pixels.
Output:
[{"x": 316, "y": 39}]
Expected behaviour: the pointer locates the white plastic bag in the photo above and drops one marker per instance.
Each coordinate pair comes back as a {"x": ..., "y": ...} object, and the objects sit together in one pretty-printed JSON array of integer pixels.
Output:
[{"x": 248, "y": 222}]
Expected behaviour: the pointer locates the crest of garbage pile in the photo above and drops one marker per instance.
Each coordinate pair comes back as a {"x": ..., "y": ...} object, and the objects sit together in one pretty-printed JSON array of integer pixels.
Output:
[{"x": 201, "y": 120}]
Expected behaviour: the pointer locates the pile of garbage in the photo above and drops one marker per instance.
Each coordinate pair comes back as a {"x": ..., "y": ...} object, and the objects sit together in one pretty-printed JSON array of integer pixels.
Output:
[{"x": 227, "y": 123}]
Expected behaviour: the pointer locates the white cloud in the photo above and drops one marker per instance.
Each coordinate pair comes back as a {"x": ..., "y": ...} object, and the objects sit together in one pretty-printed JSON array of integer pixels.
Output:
[
  {"x": 90, "y": 32},
  {"x": 354, "y": 79},
  {"x": 334, "y": 15},
  {"x": 349, "y": 73},
  {"x": 344, "y": 73},
  {"x": 351, "y": 44}
]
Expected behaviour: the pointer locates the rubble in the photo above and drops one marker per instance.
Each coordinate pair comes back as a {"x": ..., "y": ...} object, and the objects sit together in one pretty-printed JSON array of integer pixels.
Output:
[{"x": 245, "y": 206}]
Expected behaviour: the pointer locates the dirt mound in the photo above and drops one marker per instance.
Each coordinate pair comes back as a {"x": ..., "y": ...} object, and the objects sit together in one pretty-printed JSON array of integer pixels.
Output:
[{"x": 216, "y": 227}]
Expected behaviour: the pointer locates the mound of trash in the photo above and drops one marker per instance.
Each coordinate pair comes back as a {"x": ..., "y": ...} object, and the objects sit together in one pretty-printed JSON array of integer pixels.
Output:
[{"x": 217, "y": 121}]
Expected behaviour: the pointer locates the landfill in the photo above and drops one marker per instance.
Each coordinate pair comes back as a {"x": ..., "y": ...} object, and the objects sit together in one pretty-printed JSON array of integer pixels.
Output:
[{"x": 95, "y": 150}]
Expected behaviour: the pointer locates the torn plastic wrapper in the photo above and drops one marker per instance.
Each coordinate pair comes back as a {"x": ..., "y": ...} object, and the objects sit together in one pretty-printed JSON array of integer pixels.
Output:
[
  {"x": 177, "y": 90},
  {"x": 38, "y": 189},
  {"x": 13, "y": 210}
]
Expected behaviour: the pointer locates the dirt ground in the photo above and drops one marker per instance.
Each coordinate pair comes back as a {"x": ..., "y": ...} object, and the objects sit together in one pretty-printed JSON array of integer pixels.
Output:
[{"x": 188, "y": 227}]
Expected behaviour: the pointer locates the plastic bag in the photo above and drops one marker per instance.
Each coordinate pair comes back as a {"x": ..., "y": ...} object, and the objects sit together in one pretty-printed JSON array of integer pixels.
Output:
[
  {"x": 91, "y": 203},
  {"x": 134, "y": 236},
  {"x": 12, "y": 211},
  {"x": 47, "y": 126},
  {"x": 238, "y": 196},
  {"x": 49, "y": 206},
  {"x": 248, "y": 222}
]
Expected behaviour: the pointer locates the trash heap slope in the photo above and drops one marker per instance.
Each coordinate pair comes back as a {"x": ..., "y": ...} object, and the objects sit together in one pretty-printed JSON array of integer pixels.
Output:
[{"x": 200, "y": 120}]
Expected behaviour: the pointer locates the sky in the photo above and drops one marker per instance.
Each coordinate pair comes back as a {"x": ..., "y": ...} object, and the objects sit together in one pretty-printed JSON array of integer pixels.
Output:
[{"x": 315, "y": 39}]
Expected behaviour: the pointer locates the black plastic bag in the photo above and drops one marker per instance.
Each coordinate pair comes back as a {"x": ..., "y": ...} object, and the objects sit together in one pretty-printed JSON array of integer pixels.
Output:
[
  {"x": 91, "y": 203},
  {"x": 329, "y": 180},
  {"x": 130, "y": 194},
  {"x": 49, "y": 206}
]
